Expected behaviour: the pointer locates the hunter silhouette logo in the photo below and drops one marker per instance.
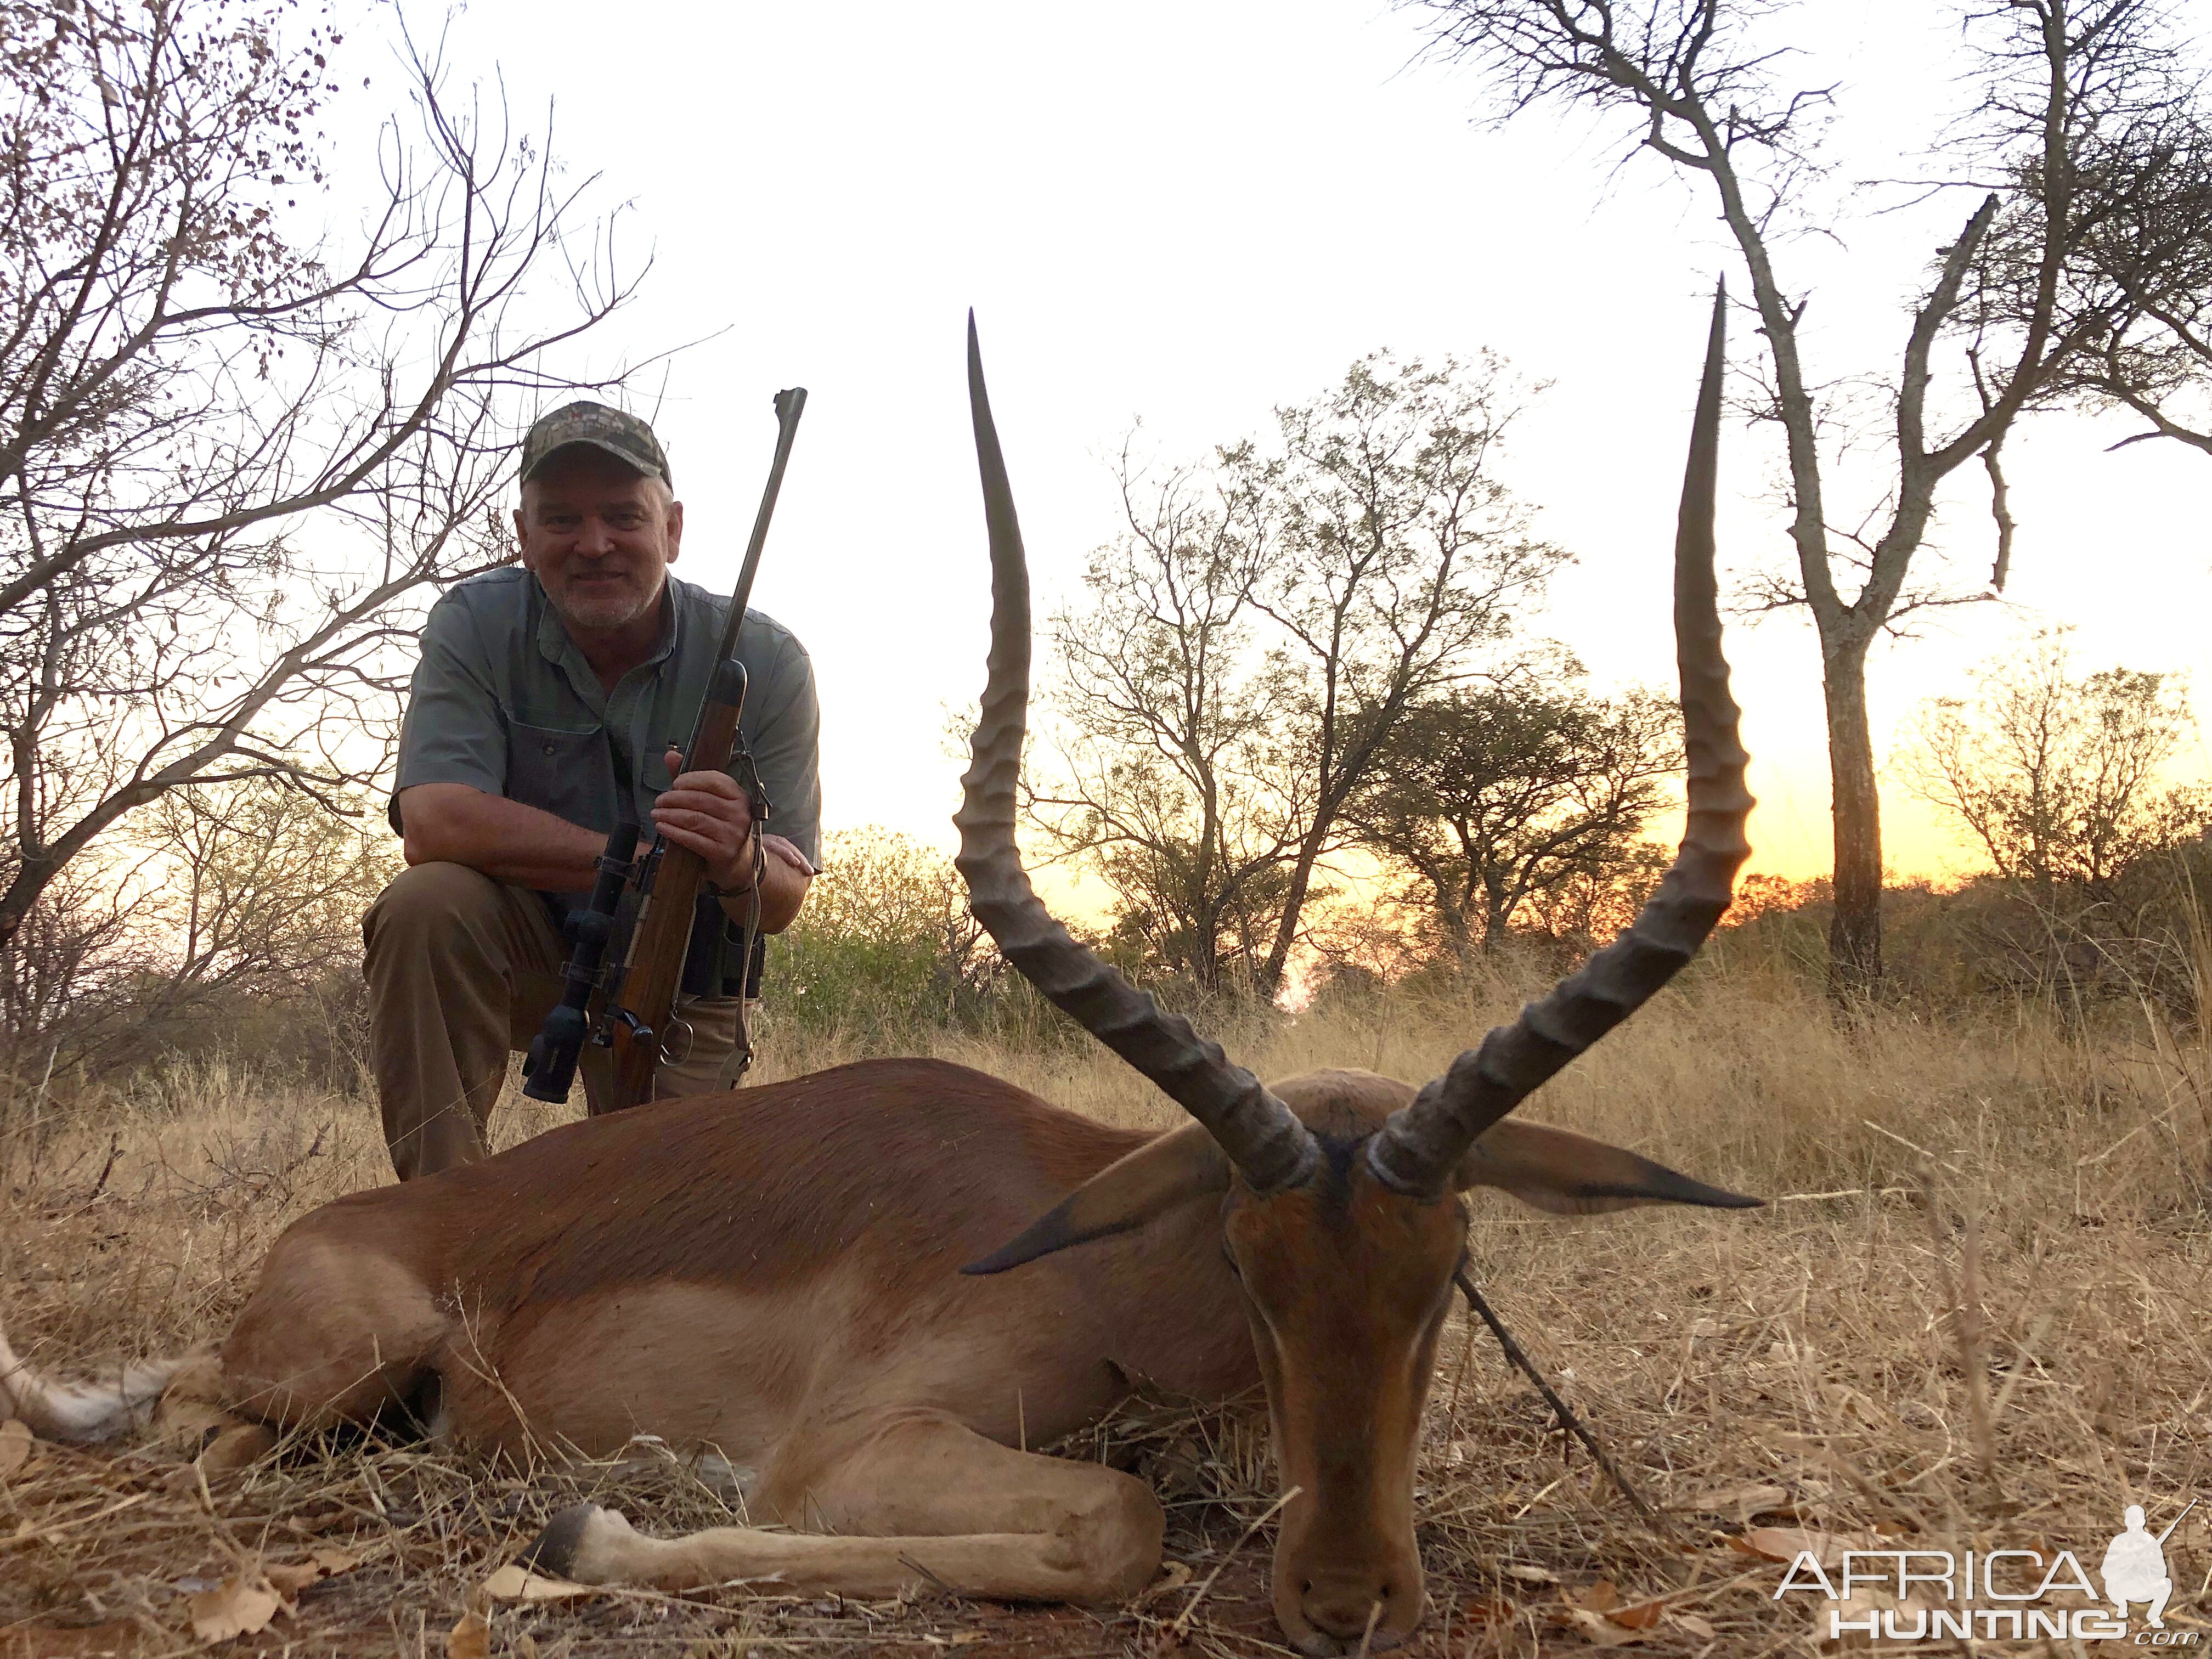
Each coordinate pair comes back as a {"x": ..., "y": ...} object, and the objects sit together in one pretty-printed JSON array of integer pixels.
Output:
[
  {"x": 1911, "y": 1595},
  {"x": 2135, "y": 1566}
]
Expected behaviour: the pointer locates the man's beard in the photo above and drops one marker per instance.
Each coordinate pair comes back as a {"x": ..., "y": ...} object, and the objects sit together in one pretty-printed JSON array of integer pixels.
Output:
[{"x": 600, "y": 607}]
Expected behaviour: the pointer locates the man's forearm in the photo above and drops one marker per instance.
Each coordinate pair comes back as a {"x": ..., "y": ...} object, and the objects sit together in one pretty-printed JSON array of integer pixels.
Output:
[
  {"x": 783, "y": 889},
  {"x": 454, "y": 823}
]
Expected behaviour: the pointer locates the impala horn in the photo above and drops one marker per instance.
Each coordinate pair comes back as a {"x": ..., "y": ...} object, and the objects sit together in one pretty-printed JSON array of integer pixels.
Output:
[
  {"x": 1262, "y": 1135},
  {"x": 1418, "y": 1150}
]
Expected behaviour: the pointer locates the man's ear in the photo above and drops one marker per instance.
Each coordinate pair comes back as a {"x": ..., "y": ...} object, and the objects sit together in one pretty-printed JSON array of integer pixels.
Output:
[
  {"x": 1568, "y": 1174},
  {"x": 1181, "y": 1165},
  {"x": 675, "y": 526}
]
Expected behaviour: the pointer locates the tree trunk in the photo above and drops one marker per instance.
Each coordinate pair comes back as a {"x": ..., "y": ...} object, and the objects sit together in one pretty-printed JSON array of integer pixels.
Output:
[
  {"x": 1268, "y": 979},
  {"x": 1854, "y": 935}
]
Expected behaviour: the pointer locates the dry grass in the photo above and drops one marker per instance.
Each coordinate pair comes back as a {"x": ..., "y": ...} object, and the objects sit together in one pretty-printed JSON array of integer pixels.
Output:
[{"x": 1974, "y": 1317}]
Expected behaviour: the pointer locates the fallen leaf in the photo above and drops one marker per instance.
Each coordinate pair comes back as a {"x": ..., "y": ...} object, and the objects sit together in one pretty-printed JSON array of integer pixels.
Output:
[
  {"x": 517, "y": 1584},
  {"x": 1530, "y": 1575},
  {"x": 1740, "y": 1502},
  {"x": 290, "y": 1578},
  {"x": 468, "y": 1639},
  {"x": 1599, "y": 1631},
  {"x": 1642, "y": 1616},
  {"x": 1601, "y": 1597},
  {"x": 288, "y": 1581},
  {"x": 14, "y": 1446},
  {"x": 1700, "y": 1628},
  {"x": 242, "y": 1604},
  {"x": 1491, "y": 1612},
  {"x": 1788, "y": 1543}
]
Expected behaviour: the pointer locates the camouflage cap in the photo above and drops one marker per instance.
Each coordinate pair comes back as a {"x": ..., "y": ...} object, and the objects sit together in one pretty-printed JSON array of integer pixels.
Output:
[{"x": 625, "y": 437}]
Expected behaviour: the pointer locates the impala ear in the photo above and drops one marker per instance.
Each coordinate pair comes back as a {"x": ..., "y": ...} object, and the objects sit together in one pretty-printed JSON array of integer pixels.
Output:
[
  {"x": 1568, "y": 1174},
  {"x": 1181, "y": 1165}
]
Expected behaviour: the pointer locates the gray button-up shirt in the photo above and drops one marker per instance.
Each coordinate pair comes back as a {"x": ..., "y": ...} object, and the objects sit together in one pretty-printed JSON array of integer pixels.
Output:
[{"x": 503, "y": 701}]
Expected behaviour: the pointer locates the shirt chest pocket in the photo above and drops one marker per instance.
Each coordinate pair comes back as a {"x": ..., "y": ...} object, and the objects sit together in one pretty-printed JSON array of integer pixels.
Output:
[{"x": 567, "y": 774}]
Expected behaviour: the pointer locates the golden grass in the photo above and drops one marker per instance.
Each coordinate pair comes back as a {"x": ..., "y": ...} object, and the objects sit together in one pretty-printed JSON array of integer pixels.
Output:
[{"x": 1974, "y": 1317}]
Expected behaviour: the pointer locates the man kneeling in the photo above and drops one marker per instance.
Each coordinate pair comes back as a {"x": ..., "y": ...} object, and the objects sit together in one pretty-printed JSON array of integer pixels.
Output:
[{"x": 551, "y": 694}]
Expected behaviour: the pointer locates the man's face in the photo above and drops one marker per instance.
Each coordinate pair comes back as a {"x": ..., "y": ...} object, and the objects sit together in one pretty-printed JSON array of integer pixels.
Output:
[{"x": 599, "y": 537}]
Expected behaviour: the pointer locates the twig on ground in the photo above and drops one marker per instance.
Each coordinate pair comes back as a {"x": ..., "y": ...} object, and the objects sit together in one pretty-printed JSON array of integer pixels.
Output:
[{"x": 1560, "y": 1409}]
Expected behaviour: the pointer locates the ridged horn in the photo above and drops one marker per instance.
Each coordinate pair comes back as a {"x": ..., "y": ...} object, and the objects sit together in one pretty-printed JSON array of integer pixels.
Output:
[
  {"x": 1417, "y": 1151},
  {"x": 1262, "y": 1135}
]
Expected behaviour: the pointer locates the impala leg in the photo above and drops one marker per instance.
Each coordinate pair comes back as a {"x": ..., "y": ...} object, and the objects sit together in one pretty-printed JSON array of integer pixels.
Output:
[
  {"x": 921, "y": 1502},
  {"x": 332, "y": 1335}
]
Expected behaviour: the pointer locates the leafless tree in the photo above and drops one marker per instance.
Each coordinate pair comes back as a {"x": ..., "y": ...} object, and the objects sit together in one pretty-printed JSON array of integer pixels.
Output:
[
  {"x": 1504, "y": 799},
  {"x": 233, "y": 464},
  {"x": 1712, "y": 101}
]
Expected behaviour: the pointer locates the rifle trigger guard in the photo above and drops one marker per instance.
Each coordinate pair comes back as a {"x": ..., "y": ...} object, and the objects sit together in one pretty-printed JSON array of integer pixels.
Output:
[{"x": 677, "y": 1047}]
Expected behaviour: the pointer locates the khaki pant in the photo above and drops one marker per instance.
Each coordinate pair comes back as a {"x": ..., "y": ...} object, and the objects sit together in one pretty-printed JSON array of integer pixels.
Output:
[{"x": 461, "y": 969}]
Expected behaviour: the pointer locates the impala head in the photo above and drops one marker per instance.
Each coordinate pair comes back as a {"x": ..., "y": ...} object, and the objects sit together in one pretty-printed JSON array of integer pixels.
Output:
[{"x": 1339, "y": 1191}]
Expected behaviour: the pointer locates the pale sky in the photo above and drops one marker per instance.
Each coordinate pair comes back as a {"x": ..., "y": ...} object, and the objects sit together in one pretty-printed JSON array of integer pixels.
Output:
[{"x": 1192, "y": 212}]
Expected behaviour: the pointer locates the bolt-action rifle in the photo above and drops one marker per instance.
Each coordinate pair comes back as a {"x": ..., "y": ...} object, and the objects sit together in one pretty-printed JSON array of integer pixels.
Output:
[{"x": 632, "y": 1009}]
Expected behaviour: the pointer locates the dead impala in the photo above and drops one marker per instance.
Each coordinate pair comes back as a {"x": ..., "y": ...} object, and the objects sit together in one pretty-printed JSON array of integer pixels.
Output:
[{"x": 867, "y": 1288}]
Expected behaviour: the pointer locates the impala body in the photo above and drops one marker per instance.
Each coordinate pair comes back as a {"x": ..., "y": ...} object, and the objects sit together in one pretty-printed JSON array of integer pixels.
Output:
[{"x": 871, "y": 1289}]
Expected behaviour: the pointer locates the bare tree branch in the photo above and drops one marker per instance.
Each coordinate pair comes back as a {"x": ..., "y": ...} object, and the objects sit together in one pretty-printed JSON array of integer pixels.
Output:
[{"x": 234, "y": 469}]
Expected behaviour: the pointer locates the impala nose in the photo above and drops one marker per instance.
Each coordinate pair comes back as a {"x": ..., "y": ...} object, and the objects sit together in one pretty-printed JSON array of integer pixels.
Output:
[{"x": 1342, "y": 1604}]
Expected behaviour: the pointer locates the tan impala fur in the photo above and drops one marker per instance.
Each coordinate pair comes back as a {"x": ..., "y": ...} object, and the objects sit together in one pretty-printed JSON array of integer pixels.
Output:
[
  {"x": 774, "y": 1275},
  {"x": 871, "y": 1289}
]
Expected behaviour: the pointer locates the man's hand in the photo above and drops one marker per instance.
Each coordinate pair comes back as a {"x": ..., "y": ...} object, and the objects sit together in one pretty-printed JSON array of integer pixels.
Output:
[{"x": 708, "y": 814}]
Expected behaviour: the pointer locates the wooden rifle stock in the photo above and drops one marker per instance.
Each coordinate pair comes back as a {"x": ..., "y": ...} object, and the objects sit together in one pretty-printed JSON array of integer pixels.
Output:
[{"x": 641, "y": 1013}]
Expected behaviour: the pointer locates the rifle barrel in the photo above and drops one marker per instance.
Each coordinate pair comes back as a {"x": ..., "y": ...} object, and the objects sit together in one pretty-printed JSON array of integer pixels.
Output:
[
  {"x": 2176, "y": 1522},
  {"x": 789, "y": 405}
]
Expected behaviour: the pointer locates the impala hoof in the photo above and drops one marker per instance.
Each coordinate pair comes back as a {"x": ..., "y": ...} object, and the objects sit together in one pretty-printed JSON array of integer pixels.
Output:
[{"x": 552, "y": 1554}]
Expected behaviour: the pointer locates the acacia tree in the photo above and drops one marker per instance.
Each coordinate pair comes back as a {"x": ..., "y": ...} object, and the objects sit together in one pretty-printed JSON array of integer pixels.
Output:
[
  {"x": 184, "y": 383},
  {"x": 1503, "y": 799},
  {"x": 1397, "y": 552},
  {"x": 1702, "y": 95},
  {"x": 2055, "y": 773},
  {"x": 1244, "y": 652},
  {"x": 2144, "y": 276}
]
